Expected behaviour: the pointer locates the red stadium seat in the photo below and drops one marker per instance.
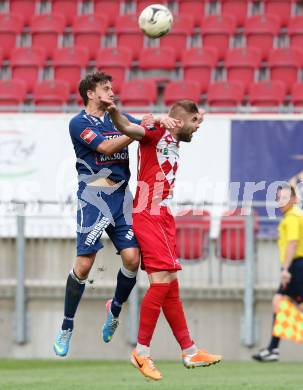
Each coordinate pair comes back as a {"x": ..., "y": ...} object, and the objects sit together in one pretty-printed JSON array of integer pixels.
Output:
[
  {"x": 129, "y": 34},
  {"x": 177, "y": 90},
  {"x": 51, "y": 93},
  {"x": 178, "y": 38},
  {"x": 295, "y": 31},
  {"x": 260, "y": 31},
  {"x": 226, "y": 96},
  {"x": 26, "y": 64},
  {"x": 115, "y": 61},
  {"x": 242, "y": 63},
  {"x": 138, "y": 93},
  {"x": 45, "y": 30},
  {"x": 297, "y": 95},
  {"x": 192, "y": 235},
  {"x": 284, "y": 64},
  {"x": 26, "y": 8},
  {"x": 281, "y": 8},
  {"x": 109, "y": 8},
  {"x": 88, "y": 30},
  {"x": 157, "y": 58},
  {"x": 198, "y": 63},
  {"x": 141, "y": 4},
  {"x": 267, "y": 93},
  {"x": 10, "y": 26},
  {"x": 160, "y": 61},
  {"x": 193, "y": 7},
  {"x": 237, "y": 8},
  {"x": 231, "y": 240},
  {"x": 216, "y": 31},
  {"x": 69, "y": 8},
  {"x": 12, "y": 93},
  {"x": 68, "y": 63}
]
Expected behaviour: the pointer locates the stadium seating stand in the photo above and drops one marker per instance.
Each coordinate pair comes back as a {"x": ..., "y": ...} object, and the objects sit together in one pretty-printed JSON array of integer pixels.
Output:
[
  {"x": 241, "y": 64},
  {"x": 128, "y": 33},
  {"x": 138, "y": 93},
  {"x": 51, "y": 93},
  {"x": 193, "y": 7},
  {"x": 238, "y": 8},
  {"x": 225, "y": 96},
  {"x": 116, "y": 62},
  {"x": 267, "y": 94},
  {"x": 192, "y": 235},
  {"x": 284, "y": 64},
  {"x": 12, "y": 93},
  {"x": 45, "y": 31},
  {"x": 217, "y": 30},
  {"x": 26, "y": 8},
  {"x": 11, "y": 26},
  {"x": 198, "y": 63},
  {"x": 180, "y": 34},
  {"x": 178, "y": 90},
  {"x": 88, "y": 31},
  {"x": 26, "y": 64},
  {"x": 68, "y": 64},
  {"x": 260, "y": 32}
]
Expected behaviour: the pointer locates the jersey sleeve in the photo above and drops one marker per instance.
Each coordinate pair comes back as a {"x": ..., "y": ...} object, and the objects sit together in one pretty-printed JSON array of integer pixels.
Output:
[
  {"x": 152, "y": 134},
  {"x": 132, "y": 119},
  {"x": 86, "y": 133}
]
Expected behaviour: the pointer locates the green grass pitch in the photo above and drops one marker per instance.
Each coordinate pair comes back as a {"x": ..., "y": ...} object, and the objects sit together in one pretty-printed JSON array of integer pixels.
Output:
[{"x": 91, "y": 375}]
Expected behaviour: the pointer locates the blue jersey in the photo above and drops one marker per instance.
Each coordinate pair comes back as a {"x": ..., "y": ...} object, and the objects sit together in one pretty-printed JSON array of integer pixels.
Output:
[{"x": 87, "y": 132}]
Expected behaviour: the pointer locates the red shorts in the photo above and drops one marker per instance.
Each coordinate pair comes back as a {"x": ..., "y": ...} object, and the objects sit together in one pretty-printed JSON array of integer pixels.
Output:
[{"x": 156, "y": 235}]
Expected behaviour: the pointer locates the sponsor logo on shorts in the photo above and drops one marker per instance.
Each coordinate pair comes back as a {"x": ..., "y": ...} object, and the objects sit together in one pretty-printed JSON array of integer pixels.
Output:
[
  {"x": 88, "y": 135},
  {"x": 97, "y": 231},
  {"x": 130, "y": 234}
]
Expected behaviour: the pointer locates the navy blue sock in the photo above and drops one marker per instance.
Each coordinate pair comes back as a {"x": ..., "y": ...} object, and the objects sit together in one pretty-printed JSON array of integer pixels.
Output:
[
  {"x": 125, "y": 282},
  {"x": 275, "y": 341},
  {"x": 73, "y": 293}
]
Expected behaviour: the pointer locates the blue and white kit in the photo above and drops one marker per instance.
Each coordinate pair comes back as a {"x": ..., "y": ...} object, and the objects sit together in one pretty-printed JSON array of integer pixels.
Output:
[{"x": 101, "y": 208}]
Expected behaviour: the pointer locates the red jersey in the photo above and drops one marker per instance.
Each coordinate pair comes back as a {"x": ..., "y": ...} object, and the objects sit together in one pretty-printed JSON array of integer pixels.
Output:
[{"x": 158, "y": 156}]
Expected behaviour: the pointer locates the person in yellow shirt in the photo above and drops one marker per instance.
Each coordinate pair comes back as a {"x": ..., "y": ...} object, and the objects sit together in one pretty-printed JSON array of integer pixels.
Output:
[{"x": 290, "y": 245}]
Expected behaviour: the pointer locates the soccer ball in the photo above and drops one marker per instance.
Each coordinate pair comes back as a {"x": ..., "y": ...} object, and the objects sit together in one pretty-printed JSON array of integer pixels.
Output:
[{"x": 155, "y": 20}]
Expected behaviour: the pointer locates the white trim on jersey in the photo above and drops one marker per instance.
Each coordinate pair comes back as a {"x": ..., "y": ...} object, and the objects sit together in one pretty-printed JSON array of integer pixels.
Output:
[
  {"x": 166, "y": 240},
  {"x": 167, "y": 150},
  {"x": 81, "y": 211}
]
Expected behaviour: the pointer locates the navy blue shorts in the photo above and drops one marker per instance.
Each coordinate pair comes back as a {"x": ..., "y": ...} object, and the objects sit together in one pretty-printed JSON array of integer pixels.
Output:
[
  {"x": 104, "y": 209},
  {"x": 294, "y": 289}
]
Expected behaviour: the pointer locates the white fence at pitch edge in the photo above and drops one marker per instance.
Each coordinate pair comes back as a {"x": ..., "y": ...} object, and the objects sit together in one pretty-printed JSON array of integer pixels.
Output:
[{"x": 37, "y": 252}]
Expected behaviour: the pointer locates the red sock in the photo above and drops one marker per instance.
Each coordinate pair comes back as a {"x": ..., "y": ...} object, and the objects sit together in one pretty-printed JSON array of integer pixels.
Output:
[
  {"x": 173, "y": 311},
  {"x": 150, "y": 310}
]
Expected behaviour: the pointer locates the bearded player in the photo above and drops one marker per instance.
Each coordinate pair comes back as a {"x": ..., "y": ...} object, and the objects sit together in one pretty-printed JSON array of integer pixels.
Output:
[{"x": 154, "y": 227}]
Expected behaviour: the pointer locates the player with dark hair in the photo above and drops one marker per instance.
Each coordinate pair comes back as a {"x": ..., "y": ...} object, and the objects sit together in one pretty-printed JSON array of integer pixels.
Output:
[
  {"x": 291, "y": 258},
  {"x": 154, "y": 227},
  {"x": 104, "y": 204}
]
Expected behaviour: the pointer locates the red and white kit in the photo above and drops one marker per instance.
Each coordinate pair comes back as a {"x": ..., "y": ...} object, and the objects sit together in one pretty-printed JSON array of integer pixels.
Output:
[{"x": 153, "y": 224}]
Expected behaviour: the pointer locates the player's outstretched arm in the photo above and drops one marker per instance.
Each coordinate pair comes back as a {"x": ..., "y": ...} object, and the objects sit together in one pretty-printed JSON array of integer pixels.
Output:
[
  {"x": 122, "y": 123},
  {"x": 114, "y": 145}
]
